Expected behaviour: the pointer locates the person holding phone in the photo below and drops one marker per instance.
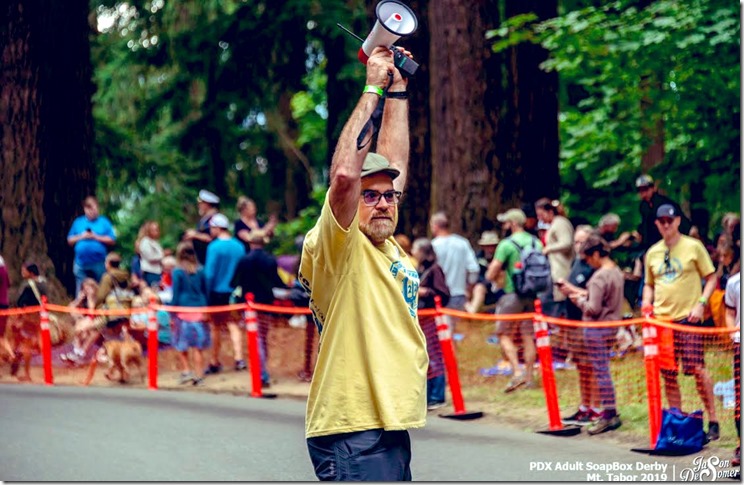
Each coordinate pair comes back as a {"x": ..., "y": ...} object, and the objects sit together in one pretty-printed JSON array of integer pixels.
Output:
[{"x": 92, "y": 235}]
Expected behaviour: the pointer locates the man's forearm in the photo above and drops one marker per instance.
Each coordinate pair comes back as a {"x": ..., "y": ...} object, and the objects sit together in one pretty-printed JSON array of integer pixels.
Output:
[
  {"x": 347, "y": 160},
  {"x": 648, "y": 295},
  {"x": 394, "y": 142},
  {"x": 346, "y": 166}
]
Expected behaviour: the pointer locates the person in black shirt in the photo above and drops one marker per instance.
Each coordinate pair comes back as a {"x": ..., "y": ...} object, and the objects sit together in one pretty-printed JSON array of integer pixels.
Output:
[
  {"x": 257, "y": 273},
  {"x": 651, "y": 200},
  {"x": 207, "y": 204},
  {"x": 25, "y": 331}
]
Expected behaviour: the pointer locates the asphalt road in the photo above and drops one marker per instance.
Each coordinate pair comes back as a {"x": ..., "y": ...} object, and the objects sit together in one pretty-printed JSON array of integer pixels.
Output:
[{"x": 115, "y": 434}]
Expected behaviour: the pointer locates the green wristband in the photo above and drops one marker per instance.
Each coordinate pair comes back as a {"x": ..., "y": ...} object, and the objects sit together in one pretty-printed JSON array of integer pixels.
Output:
[{"x": 373, "y": 89}]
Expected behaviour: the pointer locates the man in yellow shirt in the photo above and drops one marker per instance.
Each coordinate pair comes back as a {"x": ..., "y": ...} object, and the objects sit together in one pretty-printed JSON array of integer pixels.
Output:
[
  {"x": 369, "y": 383},
  {"x": 675, "y": 267}
]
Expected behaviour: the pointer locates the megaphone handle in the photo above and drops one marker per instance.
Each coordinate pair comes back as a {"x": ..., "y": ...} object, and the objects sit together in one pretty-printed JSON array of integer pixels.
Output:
[{"x": 405, "y": 64}]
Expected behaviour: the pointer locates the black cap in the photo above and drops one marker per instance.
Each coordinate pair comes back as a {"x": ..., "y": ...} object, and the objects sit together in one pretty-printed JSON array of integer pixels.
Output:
[
  {"x": 529, "y": 210},
  {"x": 666, "y": 210}
]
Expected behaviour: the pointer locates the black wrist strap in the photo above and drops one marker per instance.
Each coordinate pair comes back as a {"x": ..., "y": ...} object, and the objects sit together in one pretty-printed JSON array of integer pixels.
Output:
[
  {"x": 397, "y": 95},
  {"x": 373, "y": 123}
]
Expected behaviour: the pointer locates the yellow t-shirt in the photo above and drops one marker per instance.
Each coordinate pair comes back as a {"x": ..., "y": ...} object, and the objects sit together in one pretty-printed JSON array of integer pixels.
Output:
[
  {"x": 677, "y": 283},
  {"x": 372, "y": 360}
]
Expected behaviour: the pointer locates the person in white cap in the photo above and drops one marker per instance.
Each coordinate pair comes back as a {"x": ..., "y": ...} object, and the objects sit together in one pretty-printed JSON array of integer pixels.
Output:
[
  {"x": 207, "y": 204},
  {"x": 223, "y": 256},
  {"x": 369, "y": 384}
]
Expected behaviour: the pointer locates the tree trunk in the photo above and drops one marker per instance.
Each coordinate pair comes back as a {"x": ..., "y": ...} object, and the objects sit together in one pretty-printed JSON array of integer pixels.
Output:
[
  {"x": 46, "y": 124},
  {"x": 414, "y": 211},
  {"x": 463, "y": 150},
  {"x": 531, "y": 129}
]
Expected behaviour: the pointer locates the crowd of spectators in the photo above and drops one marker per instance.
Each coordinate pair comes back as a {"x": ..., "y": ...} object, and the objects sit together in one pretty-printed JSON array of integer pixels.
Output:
[{"x": 597, "y": 273}]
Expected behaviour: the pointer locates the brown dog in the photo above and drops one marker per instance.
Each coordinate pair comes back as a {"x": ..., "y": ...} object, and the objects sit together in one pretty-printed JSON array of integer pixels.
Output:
[{"x": 122, "y": 355}]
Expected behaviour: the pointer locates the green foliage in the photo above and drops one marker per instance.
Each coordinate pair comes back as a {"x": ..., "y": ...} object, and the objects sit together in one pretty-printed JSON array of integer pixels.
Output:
[
  {"x": 186, "y": 92},
  {"x": 286, "y": 233},
  {"x": 627, "y": 74}
]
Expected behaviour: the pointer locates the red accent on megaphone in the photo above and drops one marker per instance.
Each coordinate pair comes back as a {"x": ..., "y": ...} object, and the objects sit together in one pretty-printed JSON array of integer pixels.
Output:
[{"x": 362, "y": 56}]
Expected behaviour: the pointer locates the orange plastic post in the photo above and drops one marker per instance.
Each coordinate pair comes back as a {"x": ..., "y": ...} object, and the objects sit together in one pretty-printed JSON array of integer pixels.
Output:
[
  {"x": 46, "y": 342},
  {"x": 653, "y": 384},
  {"x": 542, "y": 342},
  {"x": 450, "y": 361},
  {"x": 251, "y": 329},
  {"x": 152, "y": 346}
]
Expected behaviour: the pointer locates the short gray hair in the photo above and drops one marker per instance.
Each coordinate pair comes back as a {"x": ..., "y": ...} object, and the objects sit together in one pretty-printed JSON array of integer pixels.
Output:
[{"x": 609, "y": 219}]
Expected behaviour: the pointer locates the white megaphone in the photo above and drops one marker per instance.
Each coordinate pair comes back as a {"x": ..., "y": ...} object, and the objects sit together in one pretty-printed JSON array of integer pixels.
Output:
[{"x": 394, "y": 20}]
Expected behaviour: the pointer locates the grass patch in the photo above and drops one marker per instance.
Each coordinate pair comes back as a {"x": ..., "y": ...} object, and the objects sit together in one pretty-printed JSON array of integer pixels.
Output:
[{"x": 527, "y": 409}]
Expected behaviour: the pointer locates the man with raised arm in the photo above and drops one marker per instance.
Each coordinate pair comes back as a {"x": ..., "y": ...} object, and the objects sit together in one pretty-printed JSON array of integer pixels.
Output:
[{"x": 369, "y": 384}]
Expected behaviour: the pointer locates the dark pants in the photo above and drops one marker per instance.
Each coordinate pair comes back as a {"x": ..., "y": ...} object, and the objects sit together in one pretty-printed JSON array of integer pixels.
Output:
[
  {"x": 597, "y": 342},
  {"x": 374, "y": 455},
  {"x": 435, "y": 389}
]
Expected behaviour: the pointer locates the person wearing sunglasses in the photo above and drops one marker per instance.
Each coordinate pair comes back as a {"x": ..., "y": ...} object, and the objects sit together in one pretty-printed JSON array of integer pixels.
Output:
[
  {"x": 369, "y": 383},
  {"x": 674, "y": 269}
]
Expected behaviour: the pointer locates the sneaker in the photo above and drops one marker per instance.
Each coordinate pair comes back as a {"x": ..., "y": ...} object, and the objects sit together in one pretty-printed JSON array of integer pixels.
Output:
[
  {"x": 198, "y": 381},
  {"x": 15, "y": 365},
  {"x": 72, "y": 358},
  {"x": 213, "y": 369},
  {"x": 604, "y": 424},
  {"x": 434, "y": 405},
  {"x": 265, "y": 385},
  {"x": 582, "y": 418},
  {"x": 240, "y": 365},
  {"x": 713, "y": 431},
  {"x": 305, "y": 376},
  {"x": 186, "y": 377},
  {"x": 514, "y": 384}
]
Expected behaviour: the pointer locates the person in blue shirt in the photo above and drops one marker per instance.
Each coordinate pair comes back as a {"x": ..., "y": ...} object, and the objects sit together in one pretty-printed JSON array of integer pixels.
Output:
[
  {"x": 92, "y": 235},
  {"x": 223, "y": 255}
]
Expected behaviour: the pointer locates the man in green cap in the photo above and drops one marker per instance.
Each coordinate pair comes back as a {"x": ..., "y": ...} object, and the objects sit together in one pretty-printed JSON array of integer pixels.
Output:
[{"x": 369, "y": 383}]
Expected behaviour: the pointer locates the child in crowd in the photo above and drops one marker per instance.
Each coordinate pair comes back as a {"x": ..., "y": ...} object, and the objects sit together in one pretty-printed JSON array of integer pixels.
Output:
[
  {"x": 190, "y": 329},
  {"x": 166, "y": 281},
  {"x": 82, "y": 306}
]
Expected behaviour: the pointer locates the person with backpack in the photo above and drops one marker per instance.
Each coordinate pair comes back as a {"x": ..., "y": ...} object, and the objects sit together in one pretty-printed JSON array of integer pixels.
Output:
[{"x": 527, "y": 272}]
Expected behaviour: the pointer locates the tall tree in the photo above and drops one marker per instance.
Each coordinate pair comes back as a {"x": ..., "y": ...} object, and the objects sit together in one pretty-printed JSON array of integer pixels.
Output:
[
  {"x": 530, "y": 128},
  {"x": 463, "y": 113},
  {"x": 46, "y": 132}
]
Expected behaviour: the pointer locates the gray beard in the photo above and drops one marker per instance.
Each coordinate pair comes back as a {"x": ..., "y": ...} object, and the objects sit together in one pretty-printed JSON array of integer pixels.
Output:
[{"x": 378, "y": 230}]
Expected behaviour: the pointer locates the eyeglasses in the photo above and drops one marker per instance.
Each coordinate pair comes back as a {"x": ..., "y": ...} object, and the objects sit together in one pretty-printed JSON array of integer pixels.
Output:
[
  {"x": 664, "y": 221},
  {"x": 645, "y": 188},
  {"x": 372, "y": 197}
]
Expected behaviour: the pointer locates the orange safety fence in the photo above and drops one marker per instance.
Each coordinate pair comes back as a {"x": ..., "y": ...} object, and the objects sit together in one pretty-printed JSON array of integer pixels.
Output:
[
  {"x": 573, "y": 354},
  {"x": 10, "y": 312}
]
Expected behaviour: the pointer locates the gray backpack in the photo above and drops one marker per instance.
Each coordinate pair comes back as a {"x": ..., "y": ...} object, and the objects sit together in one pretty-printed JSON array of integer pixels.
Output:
[{"x": 534, "y": 275}]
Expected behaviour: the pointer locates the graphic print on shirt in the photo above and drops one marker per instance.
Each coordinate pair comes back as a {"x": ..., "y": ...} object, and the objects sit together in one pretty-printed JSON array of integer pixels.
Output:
[
  {"x": 671, "y": 271},
  {"x": 409, "y": 284},
  {"x": 317, "y": 315}
]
